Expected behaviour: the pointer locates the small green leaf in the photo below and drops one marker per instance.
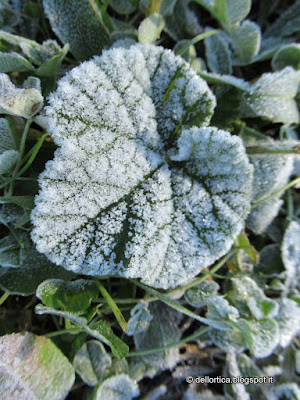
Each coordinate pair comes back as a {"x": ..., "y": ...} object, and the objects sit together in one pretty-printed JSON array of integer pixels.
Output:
[
  {"x": 228, "y": 339},
  {"x": 250, "y": 299},
  {"x": 151, "y": 28},
  {"x": 218, "y": 54},
  {"x": 230, "y": 12},
  {"x": 9, "y": 140},
  {"x": 13, "y": 250},
  {"x": 140, "y": 319},
  {"x": 285, "y": 56},
  {"x": 196, "y": 295},
  {"x": 8, "y": 160},
  {"x": 10, "y": 62},
  {"x": 262, "y": 336},
  {"x": 220, "y": 314},
  {"x": 288, "y": 319},
  {"x": 272, "y": 96},
  {"x": 119, "y": 387},
  {"x": 71, "y": 296},
  {"x": 162, "y": 330},
  {"x": 92, "y": 362},
  {"x": 243, "y": 242},
  {"x": 227, "y": 80},
  {"x": 32, "y": 367},
  {"x": 50, "y": 67},
  {"x": 100, "y": 330},
  {"x": 247, "y": 37}
]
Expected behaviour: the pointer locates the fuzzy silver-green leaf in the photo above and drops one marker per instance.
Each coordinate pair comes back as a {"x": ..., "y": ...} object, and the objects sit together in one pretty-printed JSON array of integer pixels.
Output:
[{"x": 140, "y": 186}]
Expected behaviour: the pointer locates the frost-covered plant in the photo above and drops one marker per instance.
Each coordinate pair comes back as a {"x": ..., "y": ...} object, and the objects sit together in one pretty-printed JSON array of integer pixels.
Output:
[{"x": 140, "y": 186}]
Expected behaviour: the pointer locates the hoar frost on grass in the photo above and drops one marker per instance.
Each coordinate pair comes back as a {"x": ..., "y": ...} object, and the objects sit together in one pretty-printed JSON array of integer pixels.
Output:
[{"x": 140, "y": 186}]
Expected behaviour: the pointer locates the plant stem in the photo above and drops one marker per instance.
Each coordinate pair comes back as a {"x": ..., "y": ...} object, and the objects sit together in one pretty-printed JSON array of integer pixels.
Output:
[
  {"x": 115, "y": 309},
  {"x": 154, "y": 7},
  {"x": 21, "y": 152},
  {"x": 63, "y": 331},
  {"x": 266, "y": 150},
  {"x": 294, "y": 182},
  {"x": 4, "y": 297},
  {"x": 196, "y": 334},
  {"x": 195, "y": 40},
  {"x": 170, "y": 302}
]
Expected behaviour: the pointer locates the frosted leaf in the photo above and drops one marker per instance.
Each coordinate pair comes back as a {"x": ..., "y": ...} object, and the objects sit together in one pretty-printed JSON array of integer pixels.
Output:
[
  {"x": 8, "y": 140},
  {"x": 119, "y": 387},
  {"x": 22, "y": 102},
  {"x": 262, "y": 336},
  {"x": 14, "y": 62},
  {"x": 74, "y": 296},
  {"x": 218, "y": 54},
  {"x": 249, "y": 298},
  {"x": 246, "y": 38},
  {"x": 225, "y": 80},
  {"x": 272, "y": 96},
  {"x": 271, "y": 172},
  {"x": 8, "y": 160},
  {"x": 290, "y": 391},
  {"x": 92, "y": 362},
  {"x": 139, "y": 320},
  {"x": 11, "y": 214},
  {"x": 231, "y": 11},
  {"x": 228, "y": 339},
  {"x": 220, "y": 313},
  {"x": 139, "y": 187},
  {"x": 163, "y": 330},
  {"x": 290, "y": 251},
  {"x": 32, "y": 82},
  {"x": 285, "y": 56},
  {"x": 32, "y": 367},
  {"x": 269, "y": 46},
  {"x": 100, "y": 330},
  {"x": 75, "y": 22},
  {"x": 196, "y": 295},
  {"x": 288, "y": 319},
  {"x": 40, "y": 53},
  {"x": 261, "y": 216}
]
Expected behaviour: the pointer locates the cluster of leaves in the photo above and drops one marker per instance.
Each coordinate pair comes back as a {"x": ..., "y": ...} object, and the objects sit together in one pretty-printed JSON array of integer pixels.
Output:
[{"x": 132, "y": 127}]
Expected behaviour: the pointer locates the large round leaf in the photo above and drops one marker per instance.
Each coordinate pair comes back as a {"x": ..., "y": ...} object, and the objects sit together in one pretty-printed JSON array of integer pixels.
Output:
[{"x": 139, "y": 187}]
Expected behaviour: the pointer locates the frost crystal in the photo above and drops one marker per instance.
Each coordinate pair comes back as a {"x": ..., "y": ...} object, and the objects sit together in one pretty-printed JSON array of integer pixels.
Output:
[{"x": 139, "y": 187}]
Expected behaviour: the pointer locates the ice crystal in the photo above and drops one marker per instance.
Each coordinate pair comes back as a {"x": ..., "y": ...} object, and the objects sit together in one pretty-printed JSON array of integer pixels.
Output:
[{"x": 140, "y": 186}]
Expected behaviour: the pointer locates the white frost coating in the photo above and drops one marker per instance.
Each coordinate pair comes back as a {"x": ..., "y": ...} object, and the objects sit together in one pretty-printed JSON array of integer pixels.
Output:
[
  {"x": 15, "y": 101},
  {"x": 288, "y": 320},
  {"x": 124, "y": 196},
  {"x": 7, "y": 160},
  {"x": 290, "y": 250}
]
